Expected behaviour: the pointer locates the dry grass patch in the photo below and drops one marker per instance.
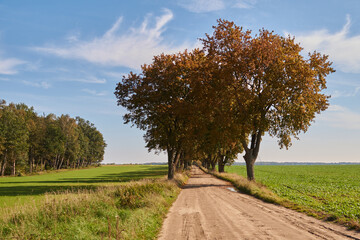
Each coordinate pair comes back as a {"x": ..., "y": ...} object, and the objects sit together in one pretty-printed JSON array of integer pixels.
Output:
[{"x": 249, "y": 187}]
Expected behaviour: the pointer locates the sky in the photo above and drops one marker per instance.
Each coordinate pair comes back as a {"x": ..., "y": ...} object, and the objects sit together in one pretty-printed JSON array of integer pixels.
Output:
[{"x": 65, "y": 57}]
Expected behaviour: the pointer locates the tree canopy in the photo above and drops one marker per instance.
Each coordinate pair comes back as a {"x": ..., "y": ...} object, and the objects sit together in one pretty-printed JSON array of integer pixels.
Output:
[
  {"x": 29, "y": 142},
  {"x": 273, "y": 88},
  {"x": 215, "y": 102}
]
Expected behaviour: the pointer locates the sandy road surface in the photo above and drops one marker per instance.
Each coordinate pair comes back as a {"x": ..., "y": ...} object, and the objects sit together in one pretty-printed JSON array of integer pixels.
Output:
[{"x": 207, "y": 209}]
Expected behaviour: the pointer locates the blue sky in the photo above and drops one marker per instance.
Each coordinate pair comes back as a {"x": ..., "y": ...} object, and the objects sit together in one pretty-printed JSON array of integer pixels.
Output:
[{"x": 67, "y": 56}]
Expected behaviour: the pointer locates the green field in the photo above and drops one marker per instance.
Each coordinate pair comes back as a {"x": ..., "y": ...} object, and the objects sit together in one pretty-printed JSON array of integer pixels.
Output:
[
  {"x": 19, "y": 190},
  {"x": 108, "y": 202},
  {"x": 331, "y": 189}
]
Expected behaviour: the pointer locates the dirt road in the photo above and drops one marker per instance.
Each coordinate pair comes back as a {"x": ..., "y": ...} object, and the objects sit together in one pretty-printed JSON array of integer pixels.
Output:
[{"x": 207, "y": 208}]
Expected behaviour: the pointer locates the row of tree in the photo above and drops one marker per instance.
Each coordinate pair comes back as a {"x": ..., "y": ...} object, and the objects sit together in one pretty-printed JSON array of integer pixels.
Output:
[
  {"x": 213, "y": 103},
  {"x": 30, "y": 143}
]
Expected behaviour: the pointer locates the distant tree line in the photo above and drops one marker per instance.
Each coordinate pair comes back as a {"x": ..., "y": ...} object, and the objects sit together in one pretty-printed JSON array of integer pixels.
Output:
[
  {"x": 211, "y": 104},
  {"x": 30, "y": 142}
]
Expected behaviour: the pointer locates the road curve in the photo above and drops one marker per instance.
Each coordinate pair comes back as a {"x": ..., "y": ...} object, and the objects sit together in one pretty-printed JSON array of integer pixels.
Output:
[{"x": 207, "y": 209}]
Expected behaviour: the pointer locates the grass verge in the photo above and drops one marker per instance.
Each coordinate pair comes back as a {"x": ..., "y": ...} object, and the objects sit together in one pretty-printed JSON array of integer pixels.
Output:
[
  {"x": 134, "y": 210},
  {"x": 261, "y": 192},
  {"x": 21, "y": 190},
  {"x": 248, "y": 187}
]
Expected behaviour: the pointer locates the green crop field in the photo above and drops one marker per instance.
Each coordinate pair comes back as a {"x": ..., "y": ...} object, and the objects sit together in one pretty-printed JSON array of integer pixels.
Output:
[
  {"x": 19, "y": 190},
  {"x": 332, "y": 189}
]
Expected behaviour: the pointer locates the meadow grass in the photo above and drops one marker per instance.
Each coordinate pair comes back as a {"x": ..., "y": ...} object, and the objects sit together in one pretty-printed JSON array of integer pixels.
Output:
[
  {"x": 329, "y": 192},
  {"x": 133, "y": 210},
  {"x": 109, "y": 202},
  {"x": 22, "y": 190}
]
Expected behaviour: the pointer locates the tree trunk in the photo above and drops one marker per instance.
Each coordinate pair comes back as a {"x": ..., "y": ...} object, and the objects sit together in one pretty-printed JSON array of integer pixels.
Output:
[
  {"x": 31, "y": 163},
  {"x": 14, "y": 167},
  {"x": 30, "y": 166},
  {"x": 186, "y": 164},
  {"x": 212, "y": 165},
  {"x": 221, "y": 167},
  {"x": 250, "y": 161},
  {"x": 251, "y": 153},
  {"x": 177, "y": 158},
  {"x": 61, "y": 162},
  {"x": 171, "y": 167},
  {"x": 221, "y": 163},
  {"x": 3, "y": 169},
  {"x": 54, "y": 162},
  {"x": 3, "y": 165},
  {"x": 173, "y": 159},
  {"x": 42, "y": 164},
  {"x": 179, "y": 165}
]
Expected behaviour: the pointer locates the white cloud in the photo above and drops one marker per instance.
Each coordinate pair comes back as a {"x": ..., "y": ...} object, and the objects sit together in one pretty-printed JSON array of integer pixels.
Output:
[
  {"x": 8, "y": 66},
  {"x": 118, "y": 75},
  {"x": 131, "y": 49},
  {"x": 42, "y": 84},
  {"x": 341, "y": 117},
  {"x": 90, "y": 79},
  {"x": 95, "y": 93},
  {"x": 353, "y": 93},
  {"x": 200, "y": 6},
  {"x": 73, "y": 37},
  {"x": 343, "y": 50},
  {"x": 244, "y": 3}
]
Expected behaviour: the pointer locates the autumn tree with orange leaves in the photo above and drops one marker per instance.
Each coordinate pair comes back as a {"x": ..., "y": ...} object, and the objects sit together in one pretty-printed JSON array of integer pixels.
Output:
[
  {"x": 159, "y": 101},
  {"x": 220, "y": 100},
  {"x": 272, "y": 87}
]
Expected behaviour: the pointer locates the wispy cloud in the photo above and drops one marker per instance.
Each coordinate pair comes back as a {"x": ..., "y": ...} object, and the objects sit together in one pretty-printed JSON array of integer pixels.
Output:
[
  {"x": 343, "y": 50},
  {"x": 95, "y": 93},
  {"x": 9, "y": 66},
  {"x": 88, "y": 79},
  {"x": 42, "y": 84},
  {"x": 201, "y": 6},
  {"x": 353, "y": 93},
  {"x": 117, "y": 75},
  {"x": 73, "y": 37},
  {"x": 341, "y": 117},
  {"x": 132, "y": 48},
  {"x": 244, "y": 3}
]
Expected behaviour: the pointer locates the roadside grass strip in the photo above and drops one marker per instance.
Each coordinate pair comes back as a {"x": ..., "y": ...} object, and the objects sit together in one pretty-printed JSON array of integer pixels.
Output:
[
  {"x": 134, "y": 210},
  {"x": 22, "y": 190}
]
